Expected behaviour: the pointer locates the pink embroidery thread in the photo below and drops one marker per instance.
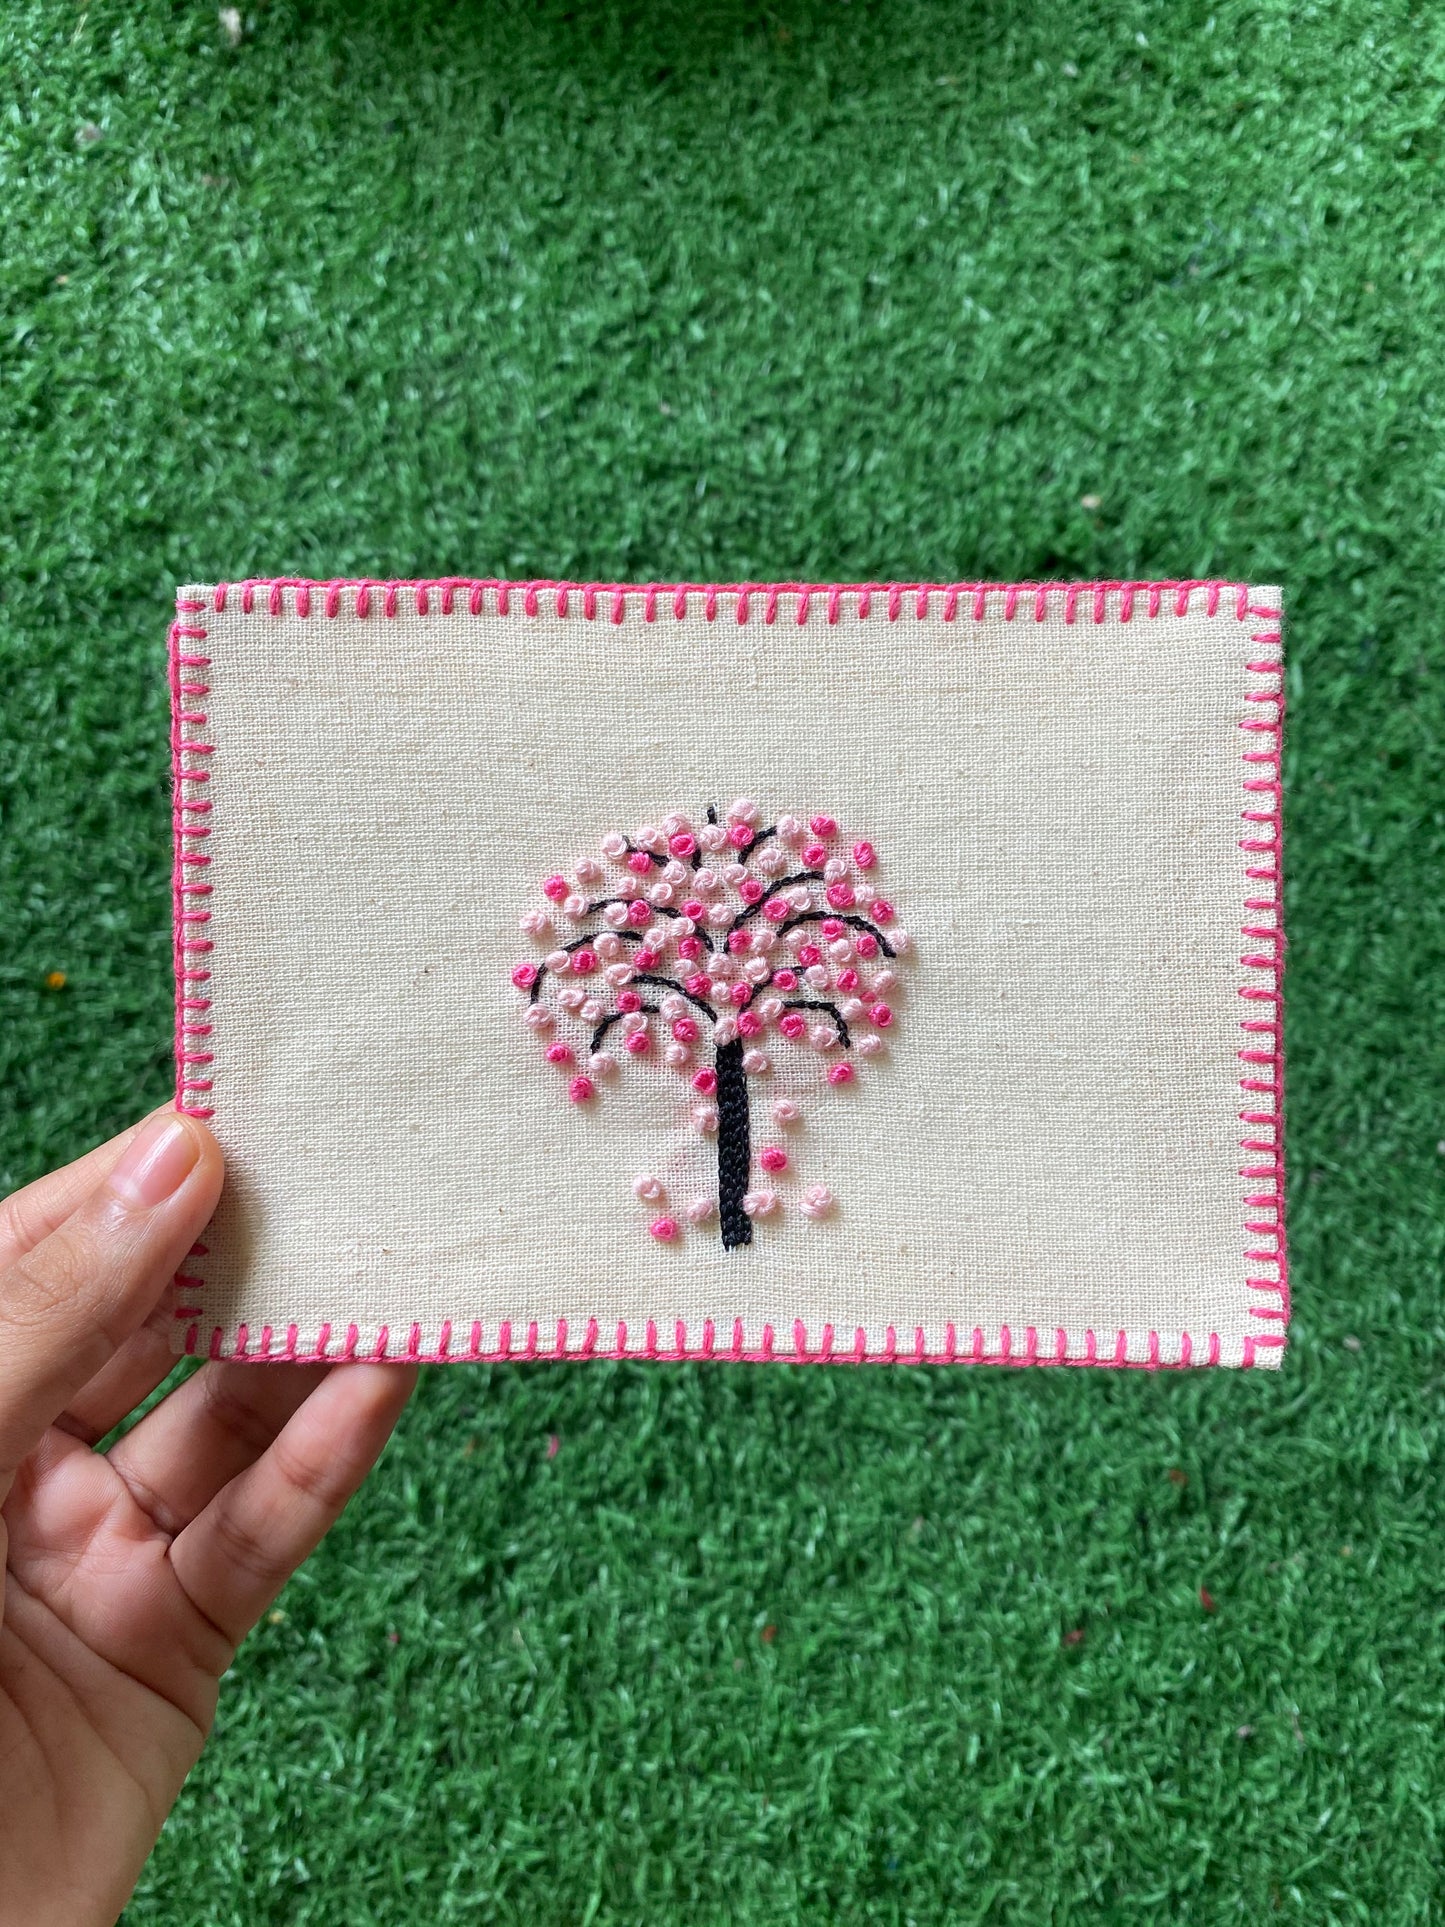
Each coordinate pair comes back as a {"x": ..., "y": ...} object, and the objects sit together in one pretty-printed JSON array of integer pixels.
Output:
[{"x": 1263, "y": 1054}]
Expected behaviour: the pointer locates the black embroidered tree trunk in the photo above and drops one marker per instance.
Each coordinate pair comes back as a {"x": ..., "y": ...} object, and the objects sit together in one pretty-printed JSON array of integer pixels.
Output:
[{"x": 734, "y": 1147}]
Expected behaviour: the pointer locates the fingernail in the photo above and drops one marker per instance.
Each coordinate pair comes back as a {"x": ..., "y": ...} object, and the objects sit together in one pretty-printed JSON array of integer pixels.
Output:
[{"x": 156, "y": 1162}]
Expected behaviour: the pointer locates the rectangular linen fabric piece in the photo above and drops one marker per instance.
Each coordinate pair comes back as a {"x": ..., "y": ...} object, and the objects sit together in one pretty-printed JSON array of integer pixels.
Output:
[{"x": 967, "y": 1048}]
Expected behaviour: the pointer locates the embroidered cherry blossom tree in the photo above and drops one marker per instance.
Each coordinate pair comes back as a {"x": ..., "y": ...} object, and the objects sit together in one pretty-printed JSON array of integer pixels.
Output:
[{"x": 703, "y": 948}]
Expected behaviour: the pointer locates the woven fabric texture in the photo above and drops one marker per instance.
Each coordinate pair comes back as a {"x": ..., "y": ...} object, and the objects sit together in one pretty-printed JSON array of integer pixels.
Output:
[{"x": 1056, "y": 1136}]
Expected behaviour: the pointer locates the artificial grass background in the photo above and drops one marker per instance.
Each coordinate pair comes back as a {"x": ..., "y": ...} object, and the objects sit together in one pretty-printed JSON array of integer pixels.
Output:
[{"x": 697, "y": 288}]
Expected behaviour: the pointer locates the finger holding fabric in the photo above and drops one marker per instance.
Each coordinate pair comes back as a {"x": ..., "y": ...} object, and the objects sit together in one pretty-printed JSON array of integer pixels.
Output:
[{"x": 130, "y": 1577}]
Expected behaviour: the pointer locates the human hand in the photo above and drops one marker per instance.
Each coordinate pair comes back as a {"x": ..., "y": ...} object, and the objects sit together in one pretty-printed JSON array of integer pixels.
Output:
[{"x": 131, "y": 1577}]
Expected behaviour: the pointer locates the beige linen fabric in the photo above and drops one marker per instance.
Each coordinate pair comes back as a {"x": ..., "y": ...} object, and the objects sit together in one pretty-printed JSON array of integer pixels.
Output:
[{"x": 1046, "y": 1160}]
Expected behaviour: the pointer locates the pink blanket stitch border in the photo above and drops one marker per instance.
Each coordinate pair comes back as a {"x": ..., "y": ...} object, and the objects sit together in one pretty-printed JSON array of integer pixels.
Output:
[{"x": 1262, "y": 1055}]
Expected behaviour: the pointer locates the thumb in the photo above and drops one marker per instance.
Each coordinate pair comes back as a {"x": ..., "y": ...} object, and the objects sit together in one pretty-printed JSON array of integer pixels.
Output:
[{"x": 68, "y": 1303}]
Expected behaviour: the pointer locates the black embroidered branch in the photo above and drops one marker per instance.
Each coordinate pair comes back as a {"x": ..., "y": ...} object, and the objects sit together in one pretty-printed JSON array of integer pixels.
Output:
[
  {"x": 577, "y": 943},
  {"x": 656, "y": 909},
  {"x": 616, "y": 1018},
  {"x": 812, "y": 1003},
  {"x": 822, "y": 916},
  {"x": 773, "y": 890},
  {"x": 647, "y": 977}
]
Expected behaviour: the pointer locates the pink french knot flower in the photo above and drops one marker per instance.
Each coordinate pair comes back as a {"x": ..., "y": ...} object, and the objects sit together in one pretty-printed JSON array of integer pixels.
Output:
[
  {"x": 773, "y": 1158},
  {"x": 588, "y": 869},
  {"x": 700, "y": 1210},
  {"x": 712, "y": 837},
  {"x": 535, "y": 923},
  {"x": 823, "y": 826},
  {"x": 557, "y": 960},
  {"x": 789, "y": 828},
  {"x": 580, "y": 1089},
  {"x": 664, "y": 1229},
  {"x": 840, "y": 1073},
  {"x": 574, "y": 907},
  {"x": 816, "y": 1201},
  {"x": 676, "y": 1056},
  {"x": 869, "y": 1045},
  {"x": 524, "y": 976},
  {"x": 555, "y": 888},
  {"x": 614, "y": 844},
  {"x": 744, "y": 810},
  {"x": 822, "y": 1036},
  {"x": 760, "y": 1204},
  {"x": 616, "y": 915},
  {"x": 602, "y": 1063},
  {"x": 644, "y": 1185},
  {"x": 864, "y": 855},
  {"x": 705, "y": 1117},
  {"x": 787, "y": 1111},
  {"x": 756, "y": 1062},
  {"x": 537, "y": 1017}
]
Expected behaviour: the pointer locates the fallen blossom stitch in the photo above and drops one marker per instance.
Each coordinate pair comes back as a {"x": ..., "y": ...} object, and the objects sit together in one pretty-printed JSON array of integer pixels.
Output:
[{"x": 698, "y": 942}]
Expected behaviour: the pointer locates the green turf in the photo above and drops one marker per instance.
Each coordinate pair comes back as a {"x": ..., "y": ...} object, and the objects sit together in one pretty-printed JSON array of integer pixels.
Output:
[{"x": 701, "y": 288}]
